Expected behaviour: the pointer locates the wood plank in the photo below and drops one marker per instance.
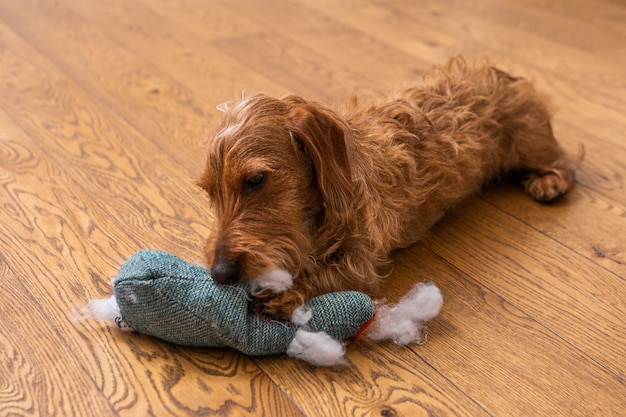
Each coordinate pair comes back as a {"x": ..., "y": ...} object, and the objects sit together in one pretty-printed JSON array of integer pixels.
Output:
[
  {"x": 381, "y": 64},
  {"x": 606, "y": 14},
  {"x": 573, "y": 221},
  {"x": 480, "y": 23},
  {"x": 576, "y": 26},
  {"x": 109, "y": 73},
  {"x": 30, "y": 385},
  {"x": 185, "y": 55},
  {"x": 103, "y": 153},
  {"x": 541, "y": 277},
  {"x": 271, "y": 52},
  {"x": 208, "y": 20},
  {"x": 500, "y": 351},
  {"x": 37, "y": 214},
  {"x": 393, "y": 27},
  {"x": 83, "y": 243},
  {"x": 381, "y": 380},
  {"x": 107, "y": 356}
]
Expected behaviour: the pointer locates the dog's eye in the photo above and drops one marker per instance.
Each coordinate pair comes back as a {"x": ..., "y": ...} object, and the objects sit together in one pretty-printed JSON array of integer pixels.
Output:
[{"x": 255, "y": 181}]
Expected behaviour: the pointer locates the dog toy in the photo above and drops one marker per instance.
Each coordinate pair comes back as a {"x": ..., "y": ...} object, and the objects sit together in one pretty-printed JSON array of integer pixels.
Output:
[{"x": 161, "y": 295}]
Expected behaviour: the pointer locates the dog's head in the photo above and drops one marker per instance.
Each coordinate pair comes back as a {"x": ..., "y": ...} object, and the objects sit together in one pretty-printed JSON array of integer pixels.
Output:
[{"x": 277, "y": 172}]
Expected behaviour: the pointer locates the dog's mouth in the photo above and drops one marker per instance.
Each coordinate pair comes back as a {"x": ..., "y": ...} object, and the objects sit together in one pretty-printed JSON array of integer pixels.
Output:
[
  {"x": 231, "y": 260},
  {"x": 274, "y": 279},
  {"x": 225, "y": 270}
]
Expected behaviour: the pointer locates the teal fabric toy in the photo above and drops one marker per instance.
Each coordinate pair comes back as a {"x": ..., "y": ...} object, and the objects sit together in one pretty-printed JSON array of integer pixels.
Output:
[{"x": 161, "y": 295}]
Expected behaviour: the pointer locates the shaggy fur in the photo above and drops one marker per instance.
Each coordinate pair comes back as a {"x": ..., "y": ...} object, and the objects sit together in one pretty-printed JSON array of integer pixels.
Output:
[{"x": 326, "y": 195}]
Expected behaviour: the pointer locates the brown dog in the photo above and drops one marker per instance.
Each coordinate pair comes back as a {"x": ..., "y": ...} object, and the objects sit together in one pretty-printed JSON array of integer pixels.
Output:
[{"x": 308, "y": 200}]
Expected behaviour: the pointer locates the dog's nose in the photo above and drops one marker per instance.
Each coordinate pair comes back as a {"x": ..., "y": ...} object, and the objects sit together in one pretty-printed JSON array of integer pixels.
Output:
[{"x": 226, "y": 272}]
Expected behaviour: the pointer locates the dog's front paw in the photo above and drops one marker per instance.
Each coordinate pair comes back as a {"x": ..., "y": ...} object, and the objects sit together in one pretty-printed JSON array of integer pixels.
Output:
[
  {"x": 279, "y": 306},
  {"x": 275, "y": 280}
]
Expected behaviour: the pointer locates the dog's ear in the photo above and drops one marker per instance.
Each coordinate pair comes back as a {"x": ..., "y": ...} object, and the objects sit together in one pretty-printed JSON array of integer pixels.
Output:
[{"x": 328, "y": 145}]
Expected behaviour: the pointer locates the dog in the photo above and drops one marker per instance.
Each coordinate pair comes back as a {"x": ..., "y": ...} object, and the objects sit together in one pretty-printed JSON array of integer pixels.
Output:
[{"x": 308, "y": 200}]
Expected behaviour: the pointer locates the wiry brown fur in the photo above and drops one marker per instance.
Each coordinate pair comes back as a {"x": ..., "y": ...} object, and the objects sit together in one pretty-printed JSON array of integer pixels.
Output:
[{"x": 340, "y": 190}]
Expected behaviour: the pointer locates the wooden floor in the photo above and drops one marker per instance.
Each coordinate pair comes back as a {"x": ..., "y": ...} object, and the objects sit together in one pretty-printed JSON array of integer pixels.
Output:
[{"x": 104, "y": 109}]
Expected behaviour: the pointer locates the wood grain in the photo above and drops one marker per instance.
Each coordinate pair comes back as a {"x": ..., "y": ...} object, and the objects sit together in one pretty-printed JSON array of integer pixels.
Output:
[
  {"x": 526, "y": 383},
  {"x": 381, "y": 380},
  {"x": 106, "y": 355},
  {"x": 104, "y": 109},
  {"x": 589, "y": 238},
  {"x": 39, "y": 378},
  {"x": 184, "y": 55},
  {"x": 588, "y": 298},
  {"x": 75, "y": 231}
]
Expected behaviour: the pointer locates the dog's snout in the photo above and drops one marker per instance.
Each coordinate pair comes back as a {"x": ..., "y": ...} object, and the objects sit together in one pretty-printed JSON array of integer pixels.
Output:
[{"x": 226, "y": 272}]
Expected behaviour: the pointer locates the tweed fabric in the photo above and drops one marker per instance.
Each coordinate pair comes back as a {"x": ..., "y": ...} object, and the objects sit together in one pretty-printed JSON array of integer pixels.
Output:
[{"x": 163, "y": 296}]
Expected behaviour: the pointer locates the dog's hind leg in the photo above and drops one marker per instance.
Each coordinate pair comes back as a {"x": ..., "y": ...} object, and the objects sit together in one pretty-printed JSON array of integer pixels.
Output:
[
  {"x": 548, "y": 172},
  {"x": 534, "y": 151},
  {"x": 548, "y": 184}
]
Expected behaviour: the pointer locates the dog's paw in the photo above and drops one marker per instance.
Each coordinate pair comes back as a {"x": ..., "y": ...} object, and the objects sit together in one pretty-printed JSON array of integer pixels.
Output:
[
  {"x": 279, "y": 306},
  {"x": 275, "y": 280},
  {"x": 547, "y": 185}
]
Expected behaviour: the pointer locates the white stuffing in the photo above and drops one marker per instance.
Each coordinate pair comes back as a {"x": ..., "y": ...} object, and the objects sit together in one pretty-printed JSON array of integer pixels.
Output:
[
  {"x": 404, "y": 321},
  {"x": 105, "y": 309},
  {"x": 276, "y": 280},
  {"x": 317, "y": 348},
  {"x": 301, "y": 316},
  {"x": 99, "y": 309}
]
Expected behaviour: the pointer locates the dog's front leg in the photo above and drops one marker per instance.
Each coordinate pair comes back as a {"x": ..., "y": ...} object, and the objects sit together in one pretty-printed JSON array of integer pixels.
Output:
[
  {"x": 275, "y": 294},
  {"x": 279, "y": 306}
]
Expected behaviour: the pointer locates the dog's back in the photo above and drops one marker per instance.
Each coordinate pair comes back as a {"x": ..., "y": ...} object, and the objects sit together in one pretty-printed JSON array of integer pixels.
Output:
[{"x": 441, "y": 141}]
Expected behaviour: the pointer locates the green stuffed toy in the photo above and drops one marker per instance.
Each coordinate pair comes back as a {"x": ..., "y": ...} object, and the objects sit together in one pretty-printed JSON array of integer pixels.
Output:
[{"x": 161, "y": 295}]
